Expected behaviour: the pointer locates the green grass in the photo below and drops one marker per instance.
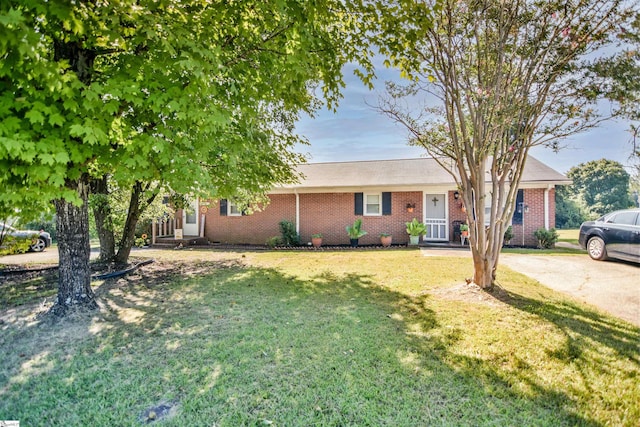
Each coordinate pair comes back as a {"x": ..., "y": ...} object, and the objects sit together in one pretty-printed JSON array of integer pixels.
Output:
[
  {"x": 568, "y": 236},
  {"x": 386, "y": 338}
]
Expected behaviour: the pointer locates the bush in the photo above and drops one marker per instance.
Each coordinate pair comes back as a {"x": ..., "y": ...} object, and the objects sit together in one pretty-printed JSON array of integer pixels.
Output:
[
  {"x": 13, "y": 245},
  {"x": 508, "y": 234},
  {"x": 274, "y": 241},
  {"x": 547, "y": 239},
  {"x": 289, "y": 235}
]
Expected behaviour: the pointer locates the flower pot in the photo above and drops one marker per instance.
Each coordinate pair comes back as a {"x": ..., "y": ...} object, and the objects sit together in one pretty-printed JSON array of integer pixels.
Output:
[
  {"x": 385, "y": 241},
  {"x": 354, "y": 243},
  {"x": 316, "y": 242},
  {"x": 414, "y": 240}
]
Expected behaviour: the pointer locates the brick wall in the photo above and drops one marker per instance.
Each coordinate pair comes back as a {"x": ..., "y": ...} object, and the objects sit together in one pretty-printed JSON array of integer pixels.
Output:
[
  {"x": 455, "y": 213},
  {"x": 534, "y": 218},
  {"x": 330, "y": 213},
  {"x": 252, "y": 229}
]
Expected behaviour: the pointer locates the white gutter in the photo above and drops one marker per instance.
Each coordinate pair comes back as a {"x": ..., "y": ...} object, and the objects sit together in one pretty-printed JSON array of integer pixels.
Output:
[
  {"x": 297, "y": 211},
  {"x": 546, "y": 206}
]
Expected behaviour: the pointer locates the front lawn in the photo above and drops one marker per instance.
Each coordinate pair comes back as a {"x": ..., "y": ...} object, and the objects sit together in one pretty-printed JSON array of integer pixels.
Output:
[
  {"x": 569, "y": 236},
  {"x": 377, "y": 338}
]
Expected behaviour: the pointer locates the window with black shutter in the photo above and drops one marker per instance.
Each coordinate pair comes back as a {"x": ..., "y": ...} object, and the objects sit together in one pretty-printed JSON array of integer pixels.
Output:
[
  {"x": 386, "y": 203},
  {"x": 517, "y": 214},
  {"x": 358, "y": 198}
]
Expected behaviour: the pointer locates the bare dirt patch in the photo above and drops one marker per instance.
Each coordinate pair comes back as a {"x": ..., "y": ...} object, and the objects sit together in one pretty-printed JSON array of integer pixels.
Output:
[{"x": 472, "y": 293}]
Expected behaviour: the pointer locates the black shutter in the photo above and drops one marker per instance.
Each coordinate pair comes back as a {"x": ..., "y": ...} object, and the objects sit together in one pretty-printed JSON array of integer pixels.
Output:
[
  {"x": 359, "y": 197},
  {"x": 386, "y": 203},
  {"x": 517, "y": 214},
  {"x": 223, "y": 207}
]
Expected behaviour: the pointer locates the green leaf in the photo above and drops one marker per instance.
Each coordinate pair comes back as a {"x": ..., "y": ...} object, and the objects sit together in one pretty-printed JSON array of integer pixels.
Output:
[{"x": 35, "y": 117}]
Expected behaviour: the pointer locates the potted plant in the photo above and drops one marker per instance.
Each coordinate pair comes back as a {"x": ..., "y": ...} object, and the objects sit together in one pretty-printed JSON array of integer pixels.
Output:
[
  {"x": 415, "y": 229},
  {"x": 464, "y": 232},
  {"x": 316, "y": 240},
  {"x": 355, "y": 232},
  {"x": 385, "y": 239}
]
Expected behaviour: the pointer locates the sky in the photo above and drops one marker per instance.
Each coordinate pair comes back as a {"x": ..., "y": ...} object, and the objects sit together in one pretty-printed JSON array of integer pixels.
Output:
[{"x": 358, "y": 132}]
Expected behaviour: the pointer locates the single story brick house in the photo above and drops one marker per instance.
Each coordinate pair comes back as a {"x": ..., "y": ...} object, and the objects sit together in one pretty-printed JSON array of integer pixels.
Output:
[{"x": 384, "y": 194}]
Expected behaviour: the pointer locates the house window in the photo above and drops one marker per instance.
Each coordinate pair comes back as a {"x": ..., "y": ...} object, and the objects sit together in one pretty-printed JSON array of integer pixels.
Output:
[
  {"x": 232, "y": 209},
  {"x": 373, "y": 204},
  {"x": 228, "y": 208}
]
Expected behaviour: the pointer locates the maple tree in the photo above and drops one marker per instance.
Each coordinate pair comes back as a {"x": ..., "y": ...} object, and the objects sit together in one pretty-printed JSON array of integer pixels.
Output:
[
  {"x": 498, "y": 78},
  {"x": 198, "y": 96}
]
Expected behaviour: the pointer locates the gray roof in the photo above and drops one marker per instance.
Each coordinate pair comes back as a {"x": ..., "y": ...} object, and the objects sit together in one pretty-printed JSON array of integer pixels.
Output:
[{"x": 400, "y": 174}]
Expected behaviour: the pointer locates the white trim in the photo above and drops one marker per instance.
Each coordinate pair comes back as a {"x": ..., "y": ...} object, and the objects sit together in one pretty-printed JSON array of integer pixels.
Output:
[
  {"x": 445, "y": 194},
  {"x": 364, "y": 204},
  {"x": 191, "y": 229},
  {"x": 297, "y": 212},
  {"x": 229, "y": 205},
  {"x": 546, "y": 207}
]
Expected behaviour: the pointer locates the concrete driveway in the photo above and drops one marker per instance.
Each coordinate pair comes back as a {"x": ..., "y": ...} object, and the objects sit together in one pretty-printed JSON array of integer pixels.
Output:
[
  {"x": 48, "y": 256},
  {"x": 612, "y": 286}
]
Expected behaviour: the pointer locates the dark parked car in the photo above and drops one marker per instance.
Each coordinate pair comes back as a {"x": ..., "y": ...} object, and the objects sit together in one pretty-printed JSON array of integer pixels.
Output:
[
  {"x": 41, "y": 239},
  {"x": 615, "y": 235}
]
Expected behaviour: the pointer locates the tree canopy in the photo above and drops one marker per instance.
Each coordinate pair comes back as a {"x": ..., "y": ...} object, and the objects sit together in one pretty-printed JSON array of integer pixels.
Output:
[
  {"x": 601, "y": 186},
  {"x": 200, "y": 96},
  {"x": 496, "y": 78}
]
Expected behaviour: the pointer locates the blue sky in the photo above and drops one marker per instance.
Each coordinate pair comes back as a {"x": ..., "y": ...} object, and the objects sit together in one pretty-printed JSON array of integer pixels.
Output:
[{"x": 357, "y": 132}]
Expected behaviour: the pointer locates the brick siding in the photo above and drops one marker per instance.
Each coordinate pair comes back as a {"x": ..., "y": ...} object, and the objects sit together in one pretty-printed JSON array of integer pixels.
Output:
[{"x": 330, "y": 213}]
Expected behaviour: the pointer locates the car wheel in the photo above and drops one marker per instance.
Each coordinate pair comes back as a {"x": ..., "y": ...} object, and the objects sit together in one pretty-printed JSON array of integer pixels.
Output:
[
  {"x": 597, "y": 249},
  {"x": 39, "y": 245}
]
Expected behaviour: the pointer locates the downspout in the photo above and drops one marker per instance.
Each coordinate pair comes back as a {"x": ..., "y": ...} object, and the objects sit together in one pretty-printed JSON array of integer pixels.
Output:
[
  {"x": 297, "y": 211},
  {"x": 546, "y": 207}
]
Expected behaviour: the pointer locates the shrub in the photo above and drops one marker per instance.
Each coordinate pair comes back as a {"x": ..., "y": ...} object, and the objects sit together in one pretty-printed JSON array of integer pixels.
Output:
[
  {"x": 547, "y": 239},
  {"x": 289, "y": 235},
  {"x": 12, "y": 245},
  {"x": 508, "y": 234},
  {"x": 274, "y": 241},
  {"x": 142, "y": 241}
]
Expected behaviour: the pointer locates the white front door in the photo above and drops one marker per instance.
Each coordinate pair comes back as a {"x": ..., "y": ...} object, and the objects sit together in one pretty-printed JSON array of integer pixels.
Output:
[
  {"x": 190, "y": 219},
  {"x": 435, "y": 217}
]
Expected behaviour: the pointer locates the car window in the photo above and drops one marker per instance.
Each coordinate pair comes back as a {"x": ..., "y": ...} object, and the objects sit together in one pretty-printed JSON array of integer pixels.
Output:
[{"x": 625, "y": 218}]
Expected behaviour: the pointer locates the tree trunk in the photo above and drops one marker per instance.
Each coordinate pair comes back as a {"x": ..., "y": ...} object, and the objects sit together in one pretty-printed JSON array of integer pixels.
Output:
[
  {"x": 484, "y": 270},
  {"x": 129, "y": 232},
  {"x": 74, "y": 282},
  {"x": 102, "y": 215}
]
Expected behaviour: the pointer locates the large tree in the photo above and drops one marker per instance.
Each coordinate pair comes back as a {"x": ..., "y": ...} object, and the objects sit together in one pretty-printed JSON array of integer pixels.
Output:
[
  {"x": 197, "y": 95},
  {"x": 601, "y": 186},
  {"x": 500, "y": 77}
]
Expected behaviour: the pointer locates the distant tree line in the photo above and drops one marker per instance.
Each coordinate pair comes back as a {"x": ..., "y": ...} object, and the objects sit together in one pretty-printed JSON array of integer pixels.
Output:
[{"x": 599, "y": 186}]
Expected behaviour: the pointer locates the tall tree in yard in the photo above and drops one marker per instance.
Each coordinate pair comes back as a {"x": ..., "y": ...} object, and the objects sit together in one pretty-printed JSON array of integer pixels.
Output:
[
  {"x": 601, "y": 185},
  {"x": 200, "y": 96},
  {"x": 508, "y": 76}
]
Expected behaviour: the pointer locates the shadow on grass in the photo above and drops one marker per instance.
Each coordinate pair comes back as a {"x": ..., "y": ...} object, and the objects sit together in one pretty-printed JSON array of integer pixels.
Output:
[
  {"x": 580, "y": 325},
  {"x": 231, "y": 345}
]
